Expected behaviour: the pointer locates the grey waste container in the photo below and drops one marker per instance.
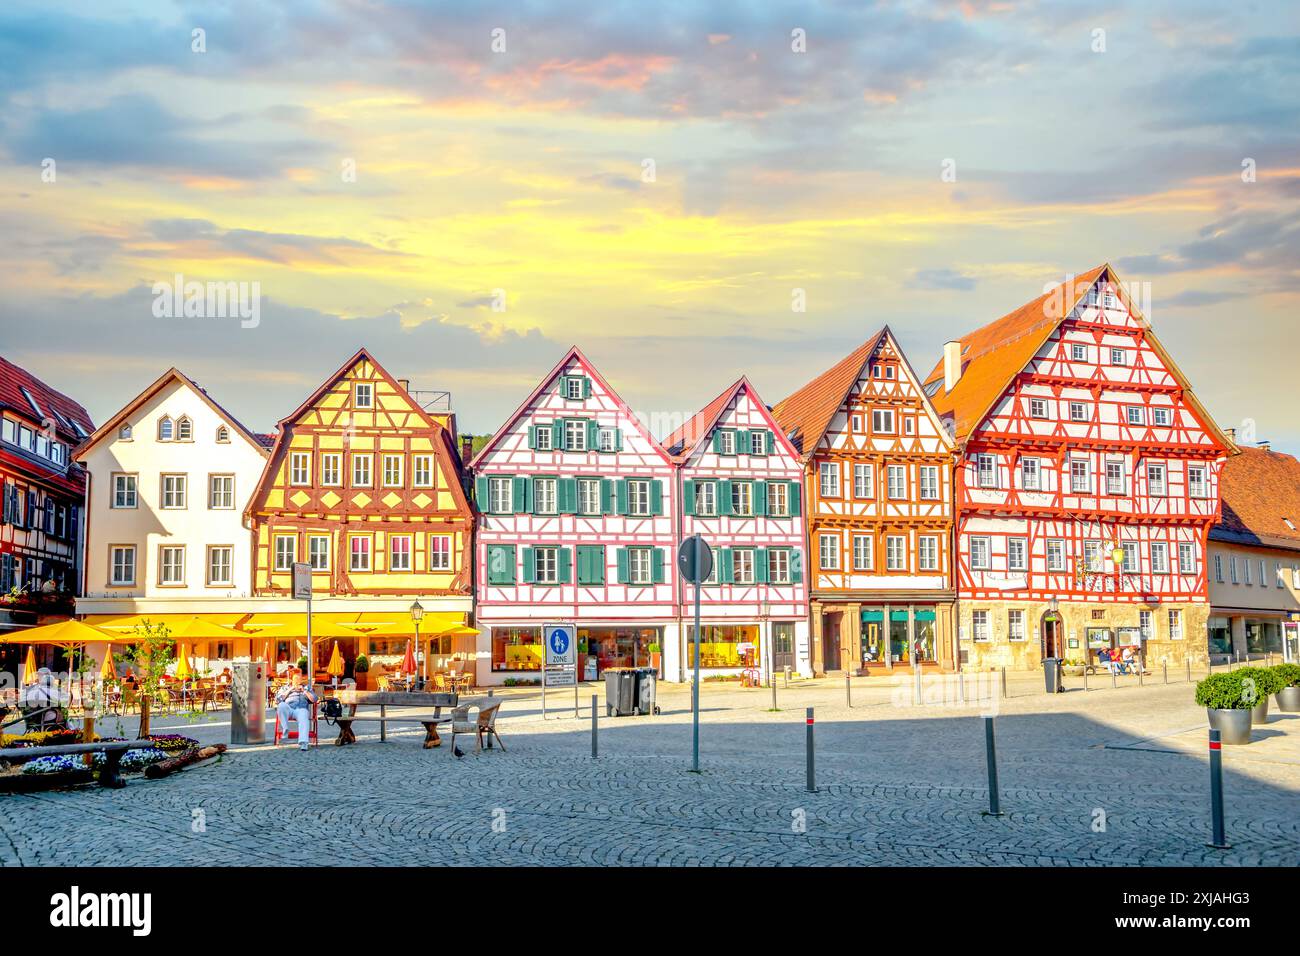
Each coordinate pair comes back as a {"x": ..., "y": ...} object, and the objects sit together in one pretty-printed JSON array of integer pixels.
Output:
[
  {"x": 646, "y": 678},
  {"x": 1052, "y": 675},
  {"x": 620, "y": 691}
]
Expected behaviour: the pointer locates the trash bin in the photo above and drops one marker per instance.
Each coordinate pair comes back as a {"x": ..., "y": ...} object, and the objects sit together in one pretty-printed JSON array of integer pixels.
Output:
[
  {"x": 620, "y": 691},
  {"x": 646, "y": 678},
  {"x": 1052, "y": 675}
]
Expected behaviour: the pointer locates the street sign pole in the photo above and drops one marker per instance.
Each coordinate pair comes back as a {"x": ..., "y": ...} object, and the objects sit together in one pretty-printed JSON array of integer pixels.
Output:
[
  {"x": 302, "y": 591},
  {"x": 695, "y": 686}
]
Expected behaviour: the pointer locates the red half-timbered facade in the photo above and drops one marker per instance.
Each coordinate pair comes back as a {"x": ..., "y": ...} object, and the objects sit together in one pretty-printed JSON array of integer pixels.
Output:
[
  {"x": 1086, "y": 483},
  {"x": 878, "y": 466}
]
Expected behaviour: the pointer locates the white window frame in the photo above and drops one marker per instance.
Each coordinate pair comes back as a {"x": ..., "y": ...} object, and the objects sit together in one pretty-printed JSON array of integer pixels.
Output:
[
  {"x": 927, "y": 552},
  {"x": 122, "y": 551},
  {"x": 125, "y": 488},
  {"x": 895, "y": 552},
  {"x": 363, "y": 388},
  {"x": 315, "y": 553},
  {"x": 174, "y": 492},
  {"x": 366, "y": 552},
  {"x": 974, "y": 543},
  {"x": 363, "y": 466},
  {"x": 896, "y": 478},
  {"x": 864, "y": 552},
  {"x": 828, "y": 476},
  {"x": 929, "y": 475},
  {"x": 331, "y": 469},
  {"x": 501, "y": 495},
  {"x": 828, "y": 546},
  {"x": 1015, "y": 544},
  {"x": 882, "y": 421},
  {"x": 406, "y": 564},
  {"x": 213, "y": 580},
  {"x": 221, "y": 499},
  {"x": 391, "y": 478},
  {"x": 166, "y": 566},
  {"x": 864, "y": 481},
  {"x": 980, "y": 626},
  {"x": 278, "y": 555},
  {"x": 439, "y": 552},
  {"x": 299, "y": 468}
]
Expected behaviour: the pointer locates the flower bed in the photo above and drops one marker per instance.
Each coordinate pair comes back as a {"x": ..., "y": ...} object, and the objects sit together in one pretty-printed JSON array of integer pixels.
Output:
[{"x": 173, "y": 743}]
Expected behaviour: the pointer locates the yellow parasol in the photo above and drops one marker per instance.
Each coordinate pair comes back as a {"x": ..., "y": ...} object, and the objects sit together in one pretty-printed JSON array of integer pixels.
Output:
[
  {"x": 335, "y": 666},
  {"x": 29, "y": 668},
  {"x": 108, "y": 671},
  {"x": 182, "y": 664}
]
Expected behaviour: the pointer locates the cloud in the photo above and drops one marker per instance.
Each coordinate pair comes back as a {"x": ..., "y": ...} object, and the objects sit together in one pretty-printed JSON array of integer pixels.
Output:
[{"x": 941, "y": 279}]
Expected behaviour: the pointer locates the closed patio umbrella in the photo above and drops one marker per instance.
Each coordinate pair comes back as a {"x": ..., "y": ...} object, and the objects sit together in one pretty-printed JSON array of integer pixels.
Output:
[
  {"x": 408, "y": 660},
  {"x": 183, "y": 664},
  {"x": 29, "y": 667},
  {"x": 335, "y": 667},
  {"x": 107, "y": 671}
]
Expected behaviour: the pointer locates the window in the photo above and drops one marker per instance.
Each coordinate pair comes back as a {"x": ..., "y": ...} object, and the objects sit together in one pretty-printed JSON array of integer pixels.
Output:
[
  {"x": 575, "y": 434},
  {"x": 980, "y": 626},
  {"x": 863, "y": 552},
  {"x": 364, "y": 395},
  {"x": 828, "y": 546},
  {"x": 166, "y": 429},
  {"x": 1277, "y": 574},
  {"x": 574, "y": 388},
  {"x": 1015, "y": 625},
  {"x": 501, "y": 496},
  {"x": 123, "y": 433},
  {"x": 392, "y": 471},
  {"x": 286, "y": 550},
  {"x": 543, "y": 438},
  {"x": 1080, "y": 478},
  {"x": 1092, "y": 556},
  {"x": 1136, "y": 415},
  {"x": 299, "y": 468},
  {"x": 1114, "y": 478},
  {"x": 638, "y": 496},
  {"x": 1078, "y": 412},
  {"x": 184, "y": 430},
  {"x": 361, "y": 469},
  {"x": 778, "y": 566},
  {"x": 1218, "y": 568},
  {"x": 857, "y": 423},
  {"x": 1038, "y": 408},
  {"x": 987, "y": 471},
  {"x": 979, "y": 553},
  {"x": 589, "y": 496},
  {"x": 706, "y": 499},
  {"x": 830, "y": 479},
  {"x": 1118, "y": 357},
  {"x": 171, "y": 565},
  {"x": 897, "y": 477},
  {"x": 359, "y": 553},
  {"x": 927, "y": 553},
  {"x": 1144, "y": 625},
  {"x": 1196, "y": 483},
  {"x": 1055, "y": 554},
  {"x": 1162, "y": 417},
  {"x": 1245, "y": 563},
  {"x": 1078, "y": 353},
  {"x": 758, "y": 442},
  {"x": 173, "y": 491},
  {"x": 778, "y": 499},
  {"x": 726, "y": 442},
  {"x": 422, "y": 471},
  {"x": 439, "y": 552},
  {"x": 863, "y": 481},
  {"x": 399, "y": 552},
  {"x": 909, "y": 425},
  {"x": 640, "y": 566},
  {"x": 546, "y": 565},
  {"x": 1159, "y": 557},
  {"x": 544, "y": 502},
  {"x": 607, "y": 440},
  {"x": 221, "y": 492},
  {"x": 1175, "y": 625},
  {"x": 124, "y": 491},
  {"x": 223, "y": 435},
  {"x": 331, "y": 465},
  {"x": 1187, "y": 560},
  {"x": 219, "y": 565},
  {"x": 929, "y": 482},
  {"x": 895, "y": 552},
  {"x": 742, "y": 498},
  {"x": 1017, "y": 549},
  {"x": 1155, "y": 479},
  {"x": 1030, "y": 475},
  {"x": 1129, "y": 563},
  {"x": 882, "y": 421},
  {"x": 318, "y": 552},
  {"x": 1232, "y": 569},
  {"x": 742, "y": 565},
  {"x": 122, "y": 565}
]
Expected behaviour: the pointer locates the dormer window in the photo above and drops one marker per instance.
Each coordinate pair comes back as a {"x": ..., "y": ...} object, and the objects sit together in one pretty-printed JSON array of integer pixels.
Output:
[
  {"x": 184, "y": 430},
  {"x": 223, "y": 435},
  {"x": 166, "y": 429},
  {"x": 364, "y": 395},
  {"x": 124, "y": 433}
]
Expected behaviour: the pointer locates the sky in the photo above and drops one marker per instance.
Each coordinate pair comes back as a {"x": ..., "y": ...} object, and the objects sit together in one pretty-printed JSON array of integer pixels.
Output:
[{"x": 689, "y": 192}]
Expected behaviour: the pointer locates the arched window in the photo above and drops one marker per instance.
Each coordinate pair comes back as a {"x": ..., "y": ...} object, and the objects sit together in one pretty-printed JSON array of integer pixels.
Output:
[
  {"x": 166, "y": 429},
  {"x": 184, "y": 430},
  {"x": 223, "y": 434},
  {"x": 124, "y": 433}
]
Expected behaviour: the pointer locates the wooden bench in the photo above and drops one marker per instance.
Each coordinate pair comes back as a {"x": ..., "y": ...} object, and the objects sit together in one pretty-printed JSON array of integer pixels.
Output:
[
  {"x": 109, "y": 776},
  {"x": 383, "y": 700}
]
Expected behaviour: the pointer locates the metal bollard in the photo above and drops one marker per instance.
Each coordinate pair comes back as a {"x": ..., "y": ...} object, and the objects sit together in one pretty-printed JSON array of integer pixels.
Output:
[
  {"x": 787, "y": 675},
  {"x": 812, "y": 782},
  {"x": 1004, "y": 683},
  {"x": 991, "y": 756},
  {"x": 1112, "y": 678},
  {"x": 848, "y": 690},
  {"x": 1216, "y": 793},
  {"x": 1164, "y": 666},
  {"x": 594, "y": 730},
  {"x": 1189, "y": 670},
  {"x": 961, "y": 687},
  {"x": 1141, "y": 670},
  {"x": 772, "y": 681},
  {"x": 1085, "y": 676},
  {"x": 916, "y": 685}
]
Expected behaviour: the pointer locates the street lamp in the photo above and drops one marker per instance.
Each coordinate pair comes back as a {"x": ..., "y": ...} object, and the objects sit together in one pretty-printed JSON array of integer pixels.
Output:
[
  {"x": 417, "y": 615},
  {"x": 765, "y": 611},
  {"x": 1116, "y": 560}
]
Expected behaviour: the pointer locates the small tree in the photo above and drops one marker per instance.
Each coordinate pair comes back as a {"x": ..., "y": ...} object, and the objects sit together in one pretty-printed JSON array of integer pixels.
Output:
[{"x": 152, "y": 651}]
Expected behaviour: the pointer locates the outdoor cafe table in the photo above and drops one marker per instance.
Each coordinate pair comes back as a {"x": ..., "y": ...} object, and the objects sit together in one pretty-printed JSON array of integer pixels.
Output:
[{"x": 383, "y": 700}]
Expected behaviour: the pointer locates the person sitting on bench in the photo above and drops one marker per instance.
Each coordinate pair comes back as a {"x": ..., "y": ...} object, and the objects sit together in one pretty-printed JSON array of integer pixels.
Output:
[{"x": 294, "y": 702}]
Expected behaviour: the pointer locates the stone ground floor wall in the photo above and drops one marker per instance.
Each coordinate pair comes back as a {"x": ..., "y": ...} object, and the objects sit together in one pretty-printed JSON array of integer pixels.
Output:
[{"x": 1076, "y": 617}]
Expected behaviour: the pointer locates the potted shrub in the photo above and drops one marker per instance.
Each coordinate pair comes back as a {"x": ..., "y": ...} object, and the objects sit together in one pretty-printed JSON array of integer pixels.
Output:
[
  {"x": 1222, "y": 696},
  {"x": 1258, "y": 685},
  {"x": 1288, "y": 695},
  {"x": 656, "y": 656},
  {"x": 361, "y": 672},
  {"x": 1073, "y": 667}
]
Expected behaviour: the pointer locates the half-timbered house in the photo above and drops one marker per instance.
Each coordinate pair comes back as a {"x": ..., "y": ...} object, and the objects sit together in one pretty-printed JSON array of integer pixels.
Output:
[
  {"x": 575, "y": 501},
  {"x": 1087, "y": 482},
  {"x": 365, "y": 486},
  {"x": 877, "y": 470},
  {"x": 740, "y": 482}
]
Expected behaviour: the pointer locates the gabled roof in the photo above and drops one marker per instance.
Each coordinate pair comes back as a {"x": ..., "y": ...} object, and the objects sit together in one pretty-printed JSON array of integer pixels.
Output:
[
  {"x": 696, "y": 429},
  {"x": 167, "y": 377},
  {"x": 569, "y": 356},
  {"x": 342, "y": 370},
  {"x": 993, "y": 355},
  {"x": 1261, "y": 492},
  {"x": 805, "y": 415},
  {"x": 68, "y": 415}
]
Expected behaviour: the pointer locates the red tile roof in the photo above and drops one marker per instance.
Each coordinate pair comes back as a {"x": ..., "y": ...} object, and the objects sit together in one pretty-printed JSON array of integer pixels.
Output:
[
  {"x": 1260, "y": 490},
  {"x": 700, "y": 424},
  {"x": 14, "y": 379},
  {"x": 805, "y": 415}
]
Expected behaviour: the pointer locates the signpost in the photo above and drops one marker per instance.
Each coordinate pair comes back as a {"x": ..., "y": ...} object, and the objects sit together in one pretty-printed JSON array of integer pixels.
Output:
[
  {"x": 302, "y": 592},
  {"x": 561, "y": 664},
  {"x": 695, "y": 562}
]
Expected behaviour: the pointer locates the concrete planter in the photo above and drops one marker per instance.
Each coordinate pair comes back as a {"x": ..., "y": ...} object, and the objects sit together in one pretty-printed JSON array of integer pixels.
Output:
[
  {"x": 1259, "y": 713},
  {"x": 1233, "y": 725},
  {"x": 1288, "y": 700}
]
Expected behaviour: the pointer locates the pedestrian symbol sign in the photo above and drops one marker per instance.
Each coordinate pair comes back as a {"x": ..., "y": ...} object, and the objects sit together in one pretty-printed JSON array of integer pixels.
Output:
[{"x": 560, "y": 645}]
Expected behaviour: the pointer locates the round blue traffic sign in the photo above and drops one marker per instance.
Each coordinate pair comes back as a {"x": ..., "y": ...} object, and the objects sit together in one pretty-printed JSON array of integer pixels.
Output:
[{"x": 559, "y": 642}]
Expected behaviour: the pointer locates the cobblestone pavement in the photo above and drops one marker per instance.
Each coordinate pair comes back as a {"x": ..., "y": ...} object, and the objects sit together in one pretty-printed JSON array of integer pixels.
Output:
[{"x": 896, "y": 785}]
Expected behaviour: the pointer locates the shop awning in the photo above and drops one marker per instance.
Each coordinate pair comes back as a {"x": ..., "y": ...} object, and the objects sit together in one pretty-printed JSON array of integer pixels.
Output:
[
  {"x": 399, "y": 624},
  {"x": 64, "y": 634},
  {"x": 294, "y": 626},
  {"x": 200, "y": 624}
]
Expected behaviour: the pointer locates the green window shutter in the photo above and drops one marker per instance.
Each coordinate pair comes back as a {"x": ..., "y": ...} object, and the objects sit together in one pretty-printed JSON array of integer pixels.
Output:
[
  {"x": 564, "y": 565},
  {"x": 760, "y": 565},
  {"x": 591, "y": 564},
  {"x": 724, "y": 496},
  {"x": 501, "y": 564},
  {"x": 606, "y": 496},
  {"x": 620, "y": 490},
  {"x": 557, "y": 434},
  {"x": 726, "y": 566},
  {"x": 769, "y": 441},
  {"x": 656, "y": 497},
  {"x": 760, "y": 497},
  {"x": 481, "y": 493},
  {"x": 566, "y": 494},
  {"x": 532, "y": 437},
  {"x": 623, "y": 573},
  {"x": 742, "y": 441},
  {"x": 520, "y": 486},
  {"x": 586, "y": 387},
  {"x": 796, "y": 566},
  {"x": 657, "y": 565},
  {"x": 688, "y": 496},
  {"x": 618, "y": 439},
  {"x": 717, "y": 440},
  {"x": 593, "y": 435},
  {"x": 529, "y": 566},
  {"x": 794, "y": 499}
]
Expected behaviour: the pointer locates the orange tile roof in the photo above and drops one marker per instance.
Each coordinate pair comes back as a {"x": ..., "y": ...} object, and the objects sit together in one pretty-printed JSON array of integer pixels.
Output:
[
  {"x": 1260, "y": 489},
  {"x": 697, "y": 426},
  {"x": 807, "y": 413},
  {"x": 991, "y": 356}
]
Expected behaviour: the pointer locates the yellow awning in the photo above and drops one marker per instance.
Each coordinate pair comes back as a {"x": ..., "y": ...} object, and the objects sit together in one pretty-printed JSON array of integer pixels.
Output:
[
  {"x": 174, "y": 622},
  {"x": 280, "y": 627},
  {"x": 64, "y": 634},
  {"x": 399, "y": 623}
]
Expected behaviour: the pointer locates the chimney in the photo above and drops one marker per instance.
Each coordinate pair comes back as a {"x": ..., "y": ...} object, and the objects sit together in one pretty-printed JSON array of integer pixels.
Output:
[
  {"x": 1265, "y": 444},
  {"x": 466, "y": 448},
  {"x": 1232, "y": 434},
  {"x": 951, "y": 364},
  {"x": 405, "y": 383}
]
